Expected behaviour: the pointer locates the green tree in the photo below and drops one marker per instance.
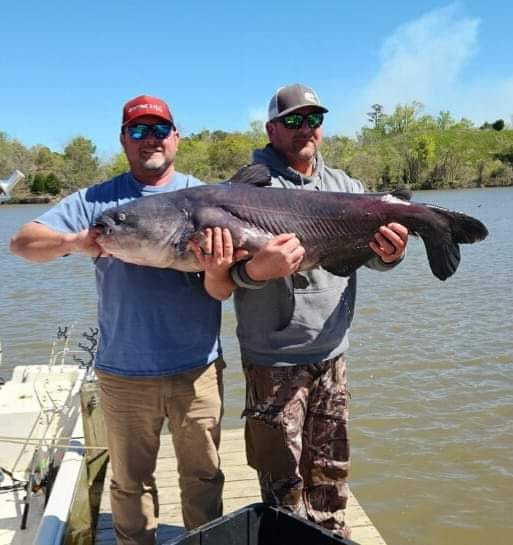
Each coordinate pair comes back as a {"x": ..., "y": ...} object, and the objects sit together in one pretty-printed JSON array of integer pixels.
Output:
[
  {"x": 425, "y": 123},
  {"x": 41, "y": 184},
  {"x": 498, "y": 125},
  {"x": 193, "y": 156},
  {"x": 446, "y": 170},
  {"x": 338, "y": 151},
  {"x": 377, "y": 117},
  {"x": 38, "y": 184},
  {"x": 228, "y": 154},
  {"x": 45, "y": 159},
  {"x": 445, "y": 120},
  {"x": 464, "y": 123},
  {"x": 81, "y": 166},
  {"x": 414, "y": 148},
  {"x": 403, "y": 118},
  {"x": 505, "y": 156},
  {"x": 117, "y": 165},
  {"x": 53, "y": 184},
  {"x": 14, "y": 155},
  {"x": 419, "y": 152},
  {"x": 257, "y": 134}
]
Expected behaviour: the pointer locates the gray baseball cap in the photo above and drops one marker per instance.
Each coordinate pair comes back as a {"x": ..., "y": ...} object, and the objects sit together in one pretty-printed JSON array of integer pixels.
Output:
[{"x": 292, "y": 97}]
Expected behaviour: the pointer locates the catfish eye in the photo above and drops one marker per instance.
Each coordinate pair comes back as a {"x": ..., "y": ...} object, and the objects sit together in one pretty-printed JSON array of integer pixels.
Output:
[{"x": 121, "y": 217}]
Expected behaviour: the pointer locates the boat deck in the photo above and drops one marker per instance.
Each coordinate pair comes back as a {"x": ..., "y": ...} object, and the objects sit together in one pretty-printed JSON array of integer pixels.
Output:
[
  {"x": 241, "y": 489},
  {"x": 39, "y": 407}
]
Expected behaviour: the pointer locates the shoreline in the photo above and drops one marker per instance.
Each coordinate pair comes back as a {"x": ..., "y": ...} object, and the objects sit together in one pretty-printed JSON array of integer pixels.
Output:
[{"x": 48, "y": 199}]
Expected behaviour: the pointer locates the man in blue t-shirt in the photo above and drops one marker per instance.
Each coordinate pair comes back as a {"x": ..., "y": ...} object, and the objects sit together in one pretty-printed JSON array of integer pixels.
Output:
[{"x": 159, "y": 353}]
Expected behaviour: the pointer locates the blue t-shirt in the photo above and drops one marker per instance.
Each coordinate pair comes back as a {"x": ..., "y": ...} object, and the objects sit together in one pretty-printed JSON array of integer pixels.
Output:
[{"x": 152, "y": 321}]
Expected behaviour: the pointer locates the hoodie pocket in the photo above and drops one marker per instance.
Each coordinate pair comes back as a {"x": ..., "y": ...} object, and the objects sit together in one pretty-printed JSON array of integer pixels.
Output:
[{"x": 321, "y": 316}]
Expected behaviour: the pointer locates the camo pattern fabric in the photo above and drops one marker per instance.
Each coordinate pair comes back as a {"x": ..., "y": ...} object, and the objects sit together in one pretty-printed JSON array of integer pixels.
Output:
[{"x": 297, "y": 437}]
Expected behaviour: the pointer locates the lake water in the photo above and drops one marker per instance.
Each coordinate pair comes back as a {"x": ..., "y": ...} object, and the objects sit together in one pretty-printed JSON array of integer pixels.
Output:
[{"x": 431, "y": 373}]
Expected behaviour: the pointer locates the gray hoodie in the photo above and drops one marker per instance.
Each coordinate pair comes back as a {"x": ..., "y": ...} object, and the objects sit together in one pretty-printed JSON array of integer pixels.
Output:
[{"x": 304, "y": 318}]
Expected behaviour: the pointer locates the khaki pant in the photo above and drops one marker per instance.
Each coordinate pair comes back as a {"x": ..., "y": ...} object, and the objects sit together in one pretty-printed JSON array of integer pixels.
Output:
[
  {"x": 297, "y": 437},
  {"x": 135, "y": 409}
]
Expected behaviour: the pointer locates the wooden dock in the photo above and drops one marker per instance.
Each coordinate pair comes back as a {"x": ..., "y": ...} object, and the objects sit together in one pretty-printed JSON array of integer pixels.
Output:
[{"x": 241, "y": 488}]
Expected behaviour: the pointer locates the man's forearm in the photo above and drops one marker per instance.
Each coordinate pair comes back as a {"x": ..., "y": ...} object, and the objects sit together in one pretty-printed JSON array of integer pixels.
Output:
[
  {"x": 40, "y": 244},
  {"x": 219, "y": 288}
]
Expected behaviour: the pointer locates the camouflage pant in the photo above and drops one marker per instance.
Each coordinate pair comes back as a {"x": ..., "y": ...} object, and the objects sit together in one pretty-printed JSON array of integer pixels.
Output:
[{"x": 297, "y": 437}]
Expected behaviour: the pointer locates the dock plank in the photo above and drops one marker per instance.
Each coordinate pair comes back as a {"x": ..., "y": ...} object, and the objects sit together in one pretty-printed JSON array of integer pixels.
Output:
[{"x": 241, "y": 489}]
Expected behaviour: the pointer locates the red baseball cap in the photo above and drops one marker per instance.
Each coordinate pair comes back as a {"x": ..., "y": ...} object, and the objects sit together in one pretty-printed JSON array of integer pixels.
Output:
[{"x": 145, "y": 105}]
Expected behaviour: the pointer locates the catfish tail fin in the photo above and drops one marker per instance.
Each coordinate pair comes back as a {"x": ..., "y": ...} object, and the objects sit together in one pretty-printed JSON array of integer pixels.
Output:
[
  {"x": 444, "y": 258},
  {"x": 464, "y": 229},
  {"x": 442, "y": 244}
]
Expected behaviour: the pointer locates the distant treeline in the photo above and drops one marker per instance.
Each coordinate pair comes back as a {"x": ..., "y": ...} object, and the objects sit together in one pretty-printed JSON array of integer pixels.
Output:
[{"x": 406, "y": 147}]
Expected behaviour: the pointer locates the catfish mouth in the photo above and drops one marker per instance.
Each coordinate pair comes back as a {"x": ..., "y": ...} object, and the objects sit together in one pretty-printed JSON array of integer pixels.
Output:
[{"x": 104, "y": 225}]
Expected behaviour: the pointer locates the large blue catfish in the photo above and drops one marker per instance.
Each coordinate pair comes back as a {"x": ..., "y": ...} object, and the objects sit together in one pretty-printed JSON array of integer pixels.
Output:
[{"x": 334, "y": 228}]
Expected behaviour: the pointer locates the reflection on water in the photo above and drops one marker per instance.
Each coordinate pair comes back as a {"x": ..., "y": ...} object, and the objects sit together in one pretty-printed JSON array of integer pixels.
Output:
[{"x": 431, "y": 372}]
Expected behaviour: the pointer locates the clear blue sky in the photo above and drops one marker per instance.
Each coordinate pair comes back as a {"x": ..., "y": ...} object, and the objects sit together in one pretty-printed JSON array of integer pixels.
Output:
[{"x": 67, "y": 67}]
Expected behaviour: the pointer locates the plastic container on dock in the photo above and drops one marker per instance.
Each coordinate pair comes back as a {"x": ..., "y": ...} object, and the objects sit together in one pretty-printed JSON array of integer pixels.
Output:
[{"x": 259, "y": 524}]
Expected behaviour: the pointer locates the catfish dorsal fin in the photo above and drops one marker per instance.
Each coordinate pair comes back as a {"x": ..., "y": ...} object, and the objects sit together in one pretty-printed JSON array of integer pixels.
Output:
[
  {"x": 256, "y": 174},
  {"x": 403, "y": 193}
]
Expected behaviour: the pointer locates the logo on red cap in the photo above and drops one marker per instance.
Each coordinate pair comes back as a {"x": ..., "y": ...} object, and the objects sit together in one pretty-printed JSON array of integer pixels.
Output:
[{"x": 146, "y": 105}]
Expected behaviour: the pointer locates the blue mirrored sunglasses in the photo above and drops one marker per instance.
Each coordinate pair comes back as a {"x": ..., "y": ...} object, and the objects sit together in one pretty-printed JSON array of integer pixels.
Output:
[{"x": 141, "y": 131}]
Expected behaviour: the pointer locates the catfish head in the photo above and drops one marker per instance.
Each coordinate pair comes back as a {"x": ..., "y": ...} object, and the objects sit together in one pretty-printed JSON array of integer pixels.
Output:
[{"x": 147, "y": 231}]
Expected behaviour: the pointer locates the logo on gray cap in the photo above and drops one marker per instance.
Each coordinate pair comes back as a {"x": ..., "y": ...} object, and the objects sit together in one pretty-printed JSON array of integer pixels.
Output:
[{"x": 292, "y": 97}]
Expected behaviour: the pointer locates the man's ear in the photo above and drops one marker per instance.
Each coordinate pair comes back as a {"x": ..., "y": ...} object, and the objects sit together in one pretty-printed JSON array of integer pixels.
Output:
[
  {"x": 122, "y": 138},
  {"x": 269, "y": 129}
]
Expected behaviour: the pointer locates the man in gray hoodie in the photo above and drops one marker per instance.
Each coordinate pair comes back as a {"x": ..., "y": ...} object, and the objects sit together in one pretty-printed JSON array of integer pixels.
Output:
[{"x": 293, "y": 330}]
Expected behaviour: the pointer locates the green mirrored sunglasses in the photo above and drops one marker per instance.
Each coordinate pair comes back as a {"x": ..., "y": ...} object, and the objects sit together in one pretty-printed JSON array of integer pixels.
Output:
[{"x": 295, "y": 121}]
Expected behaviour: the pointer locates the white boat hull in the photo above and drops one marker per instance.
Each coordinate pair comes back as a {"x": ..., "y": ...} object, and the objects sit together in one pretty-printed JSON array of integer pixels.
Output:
[{"x": 39, "y": 413}]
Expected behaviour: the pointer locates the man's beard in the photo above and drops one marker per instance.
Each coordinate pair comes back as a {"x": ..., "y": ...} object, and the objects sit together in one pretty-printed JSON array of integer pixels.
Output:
[
  {"x": 304, "y": 150},
  {"x": 157, "y": 163}
]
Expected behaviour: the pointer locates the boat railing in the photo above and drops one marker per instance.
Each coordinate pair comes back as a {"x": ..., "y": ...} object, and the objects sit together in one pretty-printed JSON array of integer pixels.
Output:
[{"x": 50, "y": 435}]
